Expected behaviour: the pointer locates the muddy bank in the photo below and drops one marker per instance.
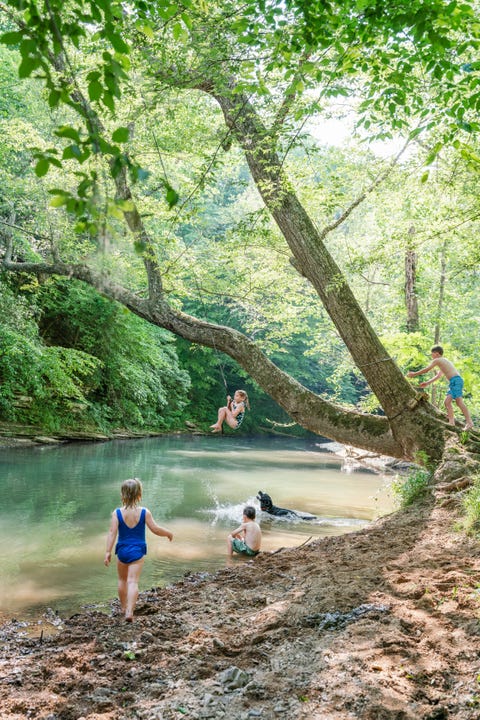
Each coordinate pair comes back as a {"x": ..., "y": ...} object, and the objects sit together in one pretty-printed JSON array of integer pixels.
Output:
[{"x": 379, "y": 624}]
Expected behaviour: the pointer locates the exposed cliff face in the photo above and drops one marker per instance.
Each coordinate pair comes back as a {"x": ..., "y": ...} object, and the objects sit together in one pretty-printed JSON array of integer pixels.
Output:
[{"x": 381, "y": 623}]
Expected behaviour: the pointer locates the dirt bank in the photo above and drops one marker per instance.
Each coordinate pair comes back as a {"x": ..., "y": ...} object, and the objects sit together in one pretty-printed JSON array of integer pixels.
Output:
[{"x": 379, "y": 624}]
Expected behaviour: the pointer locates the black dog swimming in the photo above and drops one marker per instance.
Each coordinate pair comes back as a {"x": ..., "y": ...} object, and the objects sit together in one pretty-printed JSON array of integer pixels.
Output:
[{"x": 266, "y": 505}]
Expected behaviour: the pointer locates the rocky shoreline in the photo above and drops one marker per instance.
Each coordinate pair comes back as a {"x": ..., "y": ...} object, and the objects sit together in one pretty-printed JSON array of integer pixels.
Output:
[{"x": 16, "y": 435}]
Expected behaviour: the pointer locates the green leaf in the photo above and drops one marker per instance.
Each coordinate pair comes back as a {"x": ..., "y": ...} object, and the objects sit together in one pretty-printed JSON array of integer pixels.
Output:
[
  {"x": 118, "y": 43},
  {"x": 72, "y": 151},
  {"x": 84, "y": 187},
  {"x": 126, "y": 205},
  {"x": 11, "y": 38},
  {"x": 115, "y": 211},
  {"x": 66, "y": 131},
  {"x": 108, "y": 100},
  {"x": 58, "y": 201},
  {"x": 121, "y": 135},
  {"x": 54, "y": 98},
  {"x": 172, "y": 197},
  {"x": 415, "y": 133},
  {"x": 139, "y": 246},
  {"x": 179, "y": 32},
  {"x": 27, "y": 66},
  {"x": 58, "y": 191},
  {"x": 187, "y": 20},
  {"x": 95, "y": 90},
  {"x": 470, "y": 155},
  {"x": 42, "y": 167},
  {"x": 145, "y": 30}
]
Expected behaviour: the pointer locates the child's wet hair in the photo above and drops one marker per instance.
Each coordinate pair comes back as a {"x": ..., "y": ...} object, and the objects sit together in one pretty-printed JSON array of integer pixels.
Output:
[
  {"x": 244, "y": 396},
  {"x": 131, "y": 492},
  {"x": 438, "y": 349},
  {"x": 249, "y": 512}
]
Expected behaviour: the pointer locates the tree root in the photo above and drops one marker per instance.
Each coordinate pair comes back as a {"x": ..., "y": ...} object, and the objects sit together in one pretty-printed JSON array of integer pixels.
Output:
[
  {"x": 457, "y": 484},
  {"x": 448, "y": 501}
]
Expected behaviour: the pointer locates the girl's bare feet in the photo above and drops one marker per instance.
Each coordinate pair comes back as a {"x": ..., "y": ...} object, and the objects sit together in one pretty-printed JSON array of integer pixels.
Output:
[{"x": 215, "y": 428}]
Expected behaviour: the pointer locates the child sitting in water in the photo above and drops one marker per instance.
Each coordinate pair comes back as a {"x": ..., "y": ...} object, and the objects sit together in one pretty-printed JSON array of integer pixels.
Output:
[
  {"x": 233, "y": 412},
  {"x": 247, "y": 538},
  {"x": 129, "y": 523}
]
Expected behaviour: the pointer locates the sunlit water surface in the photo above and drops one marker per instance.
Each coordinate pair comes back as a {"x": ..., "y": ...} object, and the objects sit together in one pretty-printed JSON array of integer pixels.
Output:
[{"x": 57, "y": 502}]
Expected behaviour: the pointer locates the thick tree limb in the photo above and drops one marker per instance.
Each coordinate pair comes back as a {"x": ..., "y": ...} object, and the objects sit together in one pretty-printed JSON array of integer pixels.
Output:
[{"x": 306, "y": 408}]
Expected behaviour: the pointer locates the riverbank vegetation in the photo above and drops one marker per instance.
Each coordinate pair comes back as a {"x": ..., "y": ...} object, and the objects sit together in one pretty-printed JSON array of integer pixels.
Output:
[{"x": 175, "y": 163}]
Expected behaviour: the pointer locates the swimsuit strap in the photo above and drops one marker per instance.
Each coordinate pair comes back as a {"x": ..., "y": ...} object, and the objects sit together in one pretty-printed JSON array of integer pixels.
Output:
[{"x": 140, "y": 519}]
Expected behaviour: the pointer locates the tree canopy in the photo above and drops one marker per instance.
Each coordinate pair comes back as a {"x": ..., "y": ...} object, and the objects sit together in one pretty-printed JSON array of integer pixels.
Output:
[{"x": 148, "y": 103}]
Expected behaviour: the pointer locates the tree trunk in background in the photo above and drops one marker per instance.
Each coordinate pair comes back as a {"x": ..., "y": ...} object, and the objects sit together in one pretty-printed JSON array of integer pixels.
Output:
[
  {"x": 438, "y": 319},
  {"x": 441, "y": 292},
  {"x": 411, "y": 288}
]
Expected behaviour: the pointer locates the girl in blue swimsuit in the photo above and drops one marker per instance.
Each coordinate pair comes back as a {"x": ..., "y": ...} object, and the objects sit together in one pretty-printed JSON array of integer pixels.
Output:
[
  {"x": 233, "y": 412},
  {"x": 128, "y": 522}
]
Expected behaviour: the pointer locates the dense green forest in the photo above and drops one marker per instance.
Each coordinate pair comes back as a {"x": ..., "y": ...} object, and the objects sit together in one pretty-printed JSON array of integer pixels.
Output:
[{"x": 121, "y": 152}]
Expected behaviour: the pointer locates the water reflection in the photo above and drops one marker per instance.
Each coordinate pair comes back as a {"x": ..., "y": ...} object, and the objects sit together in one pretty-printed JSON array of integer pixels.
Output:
[{"x": 56, "y": 505}]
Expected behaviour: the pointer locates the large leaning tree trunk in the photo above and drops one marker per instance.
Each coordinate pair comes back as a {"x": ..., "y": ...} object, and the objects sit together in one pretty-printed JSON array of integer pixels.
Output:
[{"x": 414, "y": 422}]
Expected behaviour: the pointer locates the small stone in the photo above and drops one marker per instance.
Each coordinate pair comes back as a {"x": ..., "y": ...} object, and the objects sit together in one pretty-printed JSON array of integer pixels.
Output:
[{"x": 233, "y": 678}]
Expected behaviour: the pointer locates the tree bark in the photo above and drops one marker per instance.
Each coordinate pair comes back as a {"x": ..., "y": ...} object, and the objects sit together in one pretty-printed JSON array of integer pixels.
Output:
[
  {"x": 312, "y": 259},
  {"x": 305, "y": 407},
  {"x": 441, "y": 292},
  {"x": 411, "y": 290}
]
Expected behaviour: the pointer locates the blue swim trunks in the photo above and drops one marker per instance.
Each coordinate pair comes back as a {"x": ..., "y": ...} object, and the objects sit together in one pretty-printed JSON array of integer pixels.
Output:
[
  {"x": 455, "y": 387},
  {"x": 242, "y": 549}
]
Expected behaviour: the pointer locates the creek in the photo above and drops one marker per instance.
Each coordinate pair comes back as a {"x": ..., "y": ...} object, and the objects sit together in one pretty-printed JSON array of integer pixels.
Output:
[{"x": 57, "y": 502}]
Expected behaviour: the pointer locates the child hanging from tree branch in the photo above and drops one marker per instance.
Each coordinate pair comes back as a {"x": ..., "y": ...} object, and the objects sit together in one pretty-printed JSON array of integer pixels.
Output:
[{"x": 233, "y": 412}]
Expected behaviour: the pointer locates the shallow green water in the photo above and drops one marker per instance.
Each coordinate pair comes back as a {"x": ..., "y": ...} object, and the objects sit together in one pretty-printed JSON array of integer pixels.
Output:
[{"x": 57, "y": 501}]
